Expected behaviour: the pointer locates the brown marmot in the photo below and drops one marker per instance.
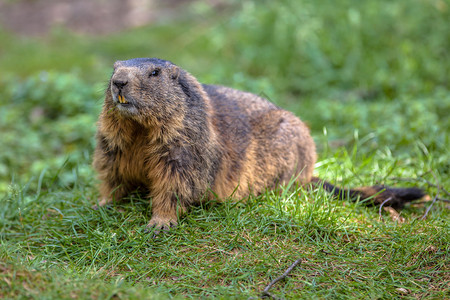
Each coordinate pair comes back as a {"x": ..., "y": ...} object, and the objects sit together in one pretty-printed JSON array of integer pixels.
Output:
[{"x": 182, "y": 142}]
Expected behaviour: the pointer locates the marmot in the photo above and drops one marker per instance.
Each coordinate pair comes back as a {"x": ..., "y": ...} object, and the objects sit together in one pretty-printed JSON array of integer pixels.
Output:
[{"x": 182, "y": 142}]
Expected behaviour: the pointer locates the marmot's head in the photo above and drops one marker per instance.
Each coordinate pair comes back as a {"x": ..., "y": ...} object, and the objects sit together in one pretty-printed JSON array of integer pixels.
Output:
[{"x": 149, "y": 90}]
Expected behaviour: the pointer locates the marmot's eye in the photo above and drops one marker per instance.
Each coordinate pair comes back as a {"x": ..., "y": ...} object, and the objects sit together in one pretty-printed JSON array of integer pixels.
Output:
[{"x": 155, "y": 72}]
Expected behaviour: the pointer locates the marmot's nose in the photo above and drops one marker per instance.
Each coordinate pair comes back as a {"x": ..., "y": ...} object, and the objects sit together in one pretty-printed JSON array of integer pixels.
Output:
[{"x": 120, "y": 83}]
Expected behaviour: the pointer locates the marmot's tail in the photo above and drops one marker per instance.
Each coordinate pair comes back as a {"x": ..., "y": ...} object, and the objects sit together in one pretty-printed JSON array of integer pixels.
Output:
[{"x": 378, "y": 194}]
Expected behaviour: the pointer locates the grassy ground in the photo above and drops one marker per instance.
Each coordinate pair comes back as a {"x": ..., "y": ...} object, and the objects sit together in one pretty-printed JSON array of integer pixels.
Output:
[{"x": 369, "y": 77}]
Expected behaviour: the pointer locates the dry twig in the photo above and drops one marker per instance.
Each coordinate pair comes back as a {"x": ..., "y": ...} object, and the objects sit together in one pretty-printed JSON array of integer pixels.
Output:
[
  {"x": 381, "y": 206},
  {"x": 265, "y": 293},
  {"x": 435, "y": 198}
]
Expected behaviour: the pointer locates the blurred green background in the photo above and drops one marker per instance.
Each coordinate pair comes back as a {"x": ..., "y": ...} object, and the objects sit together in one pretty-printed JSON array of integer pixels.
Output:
[{"x": 369, "y": 73}]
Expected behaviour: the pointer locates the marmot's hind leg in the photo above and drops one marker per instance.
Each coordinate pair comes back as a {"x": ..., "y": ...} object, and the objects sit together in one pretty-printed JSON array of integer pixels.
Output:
[{"x": 285, "y": 147}]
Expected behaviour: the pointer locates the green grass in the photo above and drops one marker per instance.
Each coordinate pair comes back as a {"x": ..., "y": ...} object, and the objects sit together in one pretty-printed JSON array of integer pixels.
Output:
[
  {"x": 221, "y": 250},
  {"x": 370, "y": 79}
]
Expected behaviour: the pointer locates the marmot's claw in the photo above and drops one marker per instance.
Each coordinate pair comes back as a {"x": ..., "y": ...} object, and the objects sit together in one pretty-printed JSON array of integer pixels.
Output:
[
  {"x": 156, "y": 226},
  {"x": 155, "y": 230},
  {"x": 97, "y": 207},
  {"x": 103, "y": 202}
]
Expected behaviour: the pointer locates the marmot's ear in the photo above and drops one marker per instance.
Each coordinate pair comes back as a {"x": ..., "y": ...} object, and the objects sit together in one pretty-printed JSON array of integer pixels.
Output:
[
  {"x": 184, "y": 83},
  {"x": 174, "y": 72},
  {"x": 118, "y": 64}
]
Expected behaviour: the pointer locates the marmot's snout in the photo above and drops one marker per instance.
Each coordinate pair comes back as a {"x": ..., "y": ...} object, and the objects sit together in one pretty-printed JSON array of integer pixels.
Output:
[
  {"x": 120, "y": 82},
  {"x": 119, "y": 86}
]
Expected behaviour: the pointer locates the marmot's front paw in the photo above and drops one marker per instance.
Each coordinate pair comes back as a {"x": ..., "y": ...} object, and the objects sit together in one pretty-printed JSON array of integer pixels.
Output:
[
  {"x": 101, "y": 203},
  {"x": 158, "y": 225}
]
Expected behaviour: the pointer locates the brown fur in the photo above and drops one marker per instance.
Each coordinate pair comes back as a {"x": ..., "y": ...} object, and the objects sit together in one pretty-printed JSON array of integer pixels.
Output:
[{"x": 183, "y": 142}]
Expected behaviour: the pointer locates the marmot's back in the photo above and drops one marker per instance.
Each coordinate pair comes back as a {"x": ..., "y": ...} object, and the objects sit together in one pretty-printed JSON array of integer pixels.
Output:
[
  {"x": 264, "y": 144},
  {"x": 247, "y": 103}
]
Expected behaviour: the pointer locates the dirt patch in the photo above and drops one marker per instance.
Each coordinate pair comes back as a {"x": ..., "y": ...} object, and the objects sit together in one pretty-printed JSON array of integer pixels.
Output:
[{"x": 37, "y": 17}]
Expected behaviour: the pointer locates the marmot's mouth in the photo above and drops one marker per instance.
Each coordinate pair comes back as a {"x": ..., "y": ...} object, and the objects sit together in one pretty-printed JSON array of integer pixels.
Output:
[{"x": 122, "y": 99}]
